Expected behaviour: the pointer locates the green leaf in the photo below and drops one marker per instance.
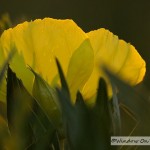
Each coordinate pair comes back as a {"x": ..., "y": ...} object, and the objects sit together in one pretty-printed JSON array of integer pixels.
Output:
[
  {"x": 62, "y": 78},
  {"x": 75, "y": 119},
  {"x": 101, "y": 119},
  {"x": 26, "y": 119},
  {"x": 47, "y": 99},
  {"x": 76, "y": 122},
  {"x": 86, "y": 128},
  {"x": 17, "y": 112}
]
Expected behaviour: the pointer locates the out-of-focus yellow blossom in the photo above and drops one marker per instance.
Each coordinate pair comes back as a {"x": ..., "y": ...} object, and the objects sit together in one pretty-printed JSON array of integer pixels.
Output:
[{"x": 37, "y": 43}]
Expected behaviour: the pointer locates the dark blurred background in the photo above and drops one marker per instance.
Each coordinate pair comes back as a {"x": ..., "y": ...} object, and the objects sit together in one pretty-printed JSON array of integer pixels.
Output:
[{"x": 129, "y": 19}]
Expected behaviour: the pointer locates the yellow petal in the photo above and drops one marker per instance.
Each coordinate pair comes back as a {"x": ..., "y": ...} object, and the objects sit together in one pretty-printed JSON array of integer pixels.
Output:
[
  {"x": 18, "y": 64},
  {"x": 80, "y": 67},
  {"x": 120, "y": 57},
  {"x": 38, "y": 43}
]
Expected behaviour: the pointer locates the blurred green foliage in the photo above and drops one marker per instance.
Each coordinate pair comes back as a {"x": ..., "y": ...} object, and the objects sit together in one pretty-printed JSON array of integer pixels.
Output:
[{"x": 27, "y": 123}]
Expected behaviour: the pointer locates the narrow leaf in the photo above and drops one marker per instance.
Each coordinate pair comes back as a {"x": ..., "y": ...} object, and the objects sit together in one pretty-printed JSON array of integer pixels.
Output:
[{"x": 62, "y": 78}]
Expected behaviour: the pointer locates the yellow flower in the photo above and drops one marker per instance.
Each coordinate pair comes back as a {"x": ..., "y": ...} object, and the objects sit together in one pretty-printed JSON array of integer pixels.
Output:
[
  {"x": 37, "y": 43},
  {"x": 118, "y": 56}
]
